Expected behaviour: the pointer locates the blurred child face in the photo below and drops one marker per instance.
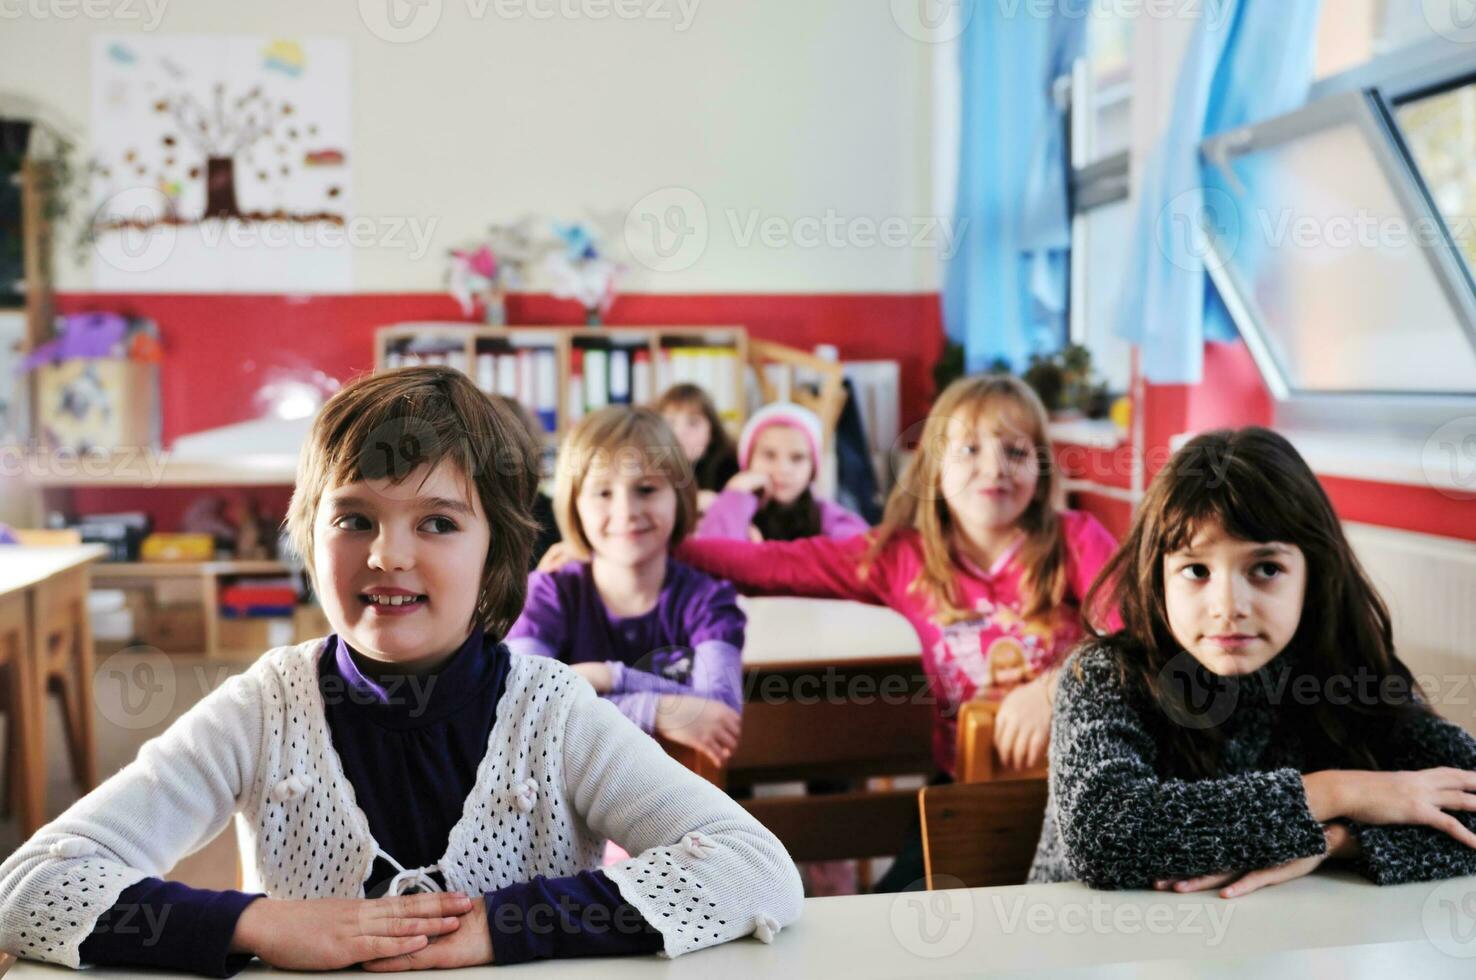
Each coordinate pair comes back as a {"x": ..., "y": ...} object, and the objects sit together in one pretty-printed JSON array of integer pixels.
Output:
[
  {"x": 399, "y": 566},
  {"x": 627, "y": 513},
  {"x": 692, "y": 430},
  {"x": 1233, "y": 604},
  {"x": 989, "y": 473},
  {"x": 782, "y": 453}
]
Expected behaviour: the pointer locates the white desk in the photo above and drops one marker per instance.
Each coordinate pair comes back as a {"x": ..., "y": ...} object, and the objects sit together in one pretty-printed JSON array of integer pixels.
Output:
[
  {"x": 23, "y": 567},
  {"x": 796, "y": 633},
  {"x": 1327, "y": 925}
]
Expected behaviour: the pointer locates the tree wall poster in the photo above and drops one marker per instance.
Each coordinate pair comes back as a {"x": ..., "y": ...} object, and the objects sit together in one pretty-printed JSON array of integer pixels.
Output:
[{"x": 220, "y": 164}]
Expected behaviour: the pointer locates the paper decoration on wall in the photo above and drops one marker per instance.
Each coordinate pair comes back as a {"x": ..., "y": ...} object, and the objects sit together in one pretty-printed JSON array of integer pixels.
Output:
[{"x": 221, "y": 164}]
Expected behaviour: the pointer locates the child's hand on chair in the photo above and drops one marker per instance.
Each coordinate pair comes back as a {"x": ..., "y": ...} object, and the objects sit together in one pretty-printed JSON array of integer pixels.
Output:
[{"x": 1022, "y": 729}]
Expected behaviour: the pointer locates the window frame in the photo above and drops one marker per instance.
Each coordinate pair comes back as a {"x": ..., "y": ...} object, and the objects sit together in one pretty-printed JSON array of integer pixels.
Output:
[{"x": 1370, "y": 113}]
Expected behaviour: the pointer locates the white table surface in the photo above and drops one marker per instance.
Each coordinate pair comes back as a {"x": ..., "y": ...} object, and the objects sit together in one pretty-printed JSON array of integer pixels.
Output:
[
  {"x": 22, "y": 566},
  {"x": 1330, "y": 925},
  {"x": 787, "y": 632}
]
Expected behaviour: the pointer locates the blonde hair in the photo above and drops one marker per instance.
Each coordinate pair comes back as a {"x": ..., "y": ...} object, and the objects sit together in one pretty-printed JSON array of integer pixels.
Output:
[
  {"x": 626, "y": 440},
  {"x": 388, "y": 425},
  {"x": 917, "y": 501}
]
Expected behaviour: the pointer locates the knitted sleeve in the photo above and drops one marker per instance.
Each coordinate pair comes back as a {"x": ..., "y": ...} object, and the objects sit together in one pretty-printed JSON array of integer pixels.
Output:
[
  {"x": 1397, "y": 853},
  {"x": 173, "y": 799},
  {"x": 703, "y": 870},
  {"x": 1123, "y": 826}
]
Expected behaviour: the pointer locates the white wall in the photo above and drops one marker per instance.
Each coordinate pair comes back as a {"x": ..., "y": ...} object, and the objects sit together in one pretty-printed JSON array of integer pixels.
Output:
[{"x": 767, "y": 108}]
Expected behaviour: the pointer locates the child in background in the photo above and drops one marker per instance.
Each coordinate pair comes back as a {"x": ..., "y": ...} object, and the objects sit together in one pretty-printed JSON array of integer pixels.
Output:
[
  {"x": 972, "y": 549},
  {"x": 543, "y": 512},
  {"x": 771, "y": 498},
  {"x": 491, "y": 788},
  {"x": 659, "y": 639},
  {"x": 1251, "y": 719},
  {"x": 694, "y": 418}
]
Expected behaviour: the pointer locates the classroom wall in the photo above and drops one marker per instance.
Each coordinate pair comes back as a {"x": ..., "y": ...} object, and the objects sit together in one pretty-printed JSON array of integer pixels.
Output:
[
  {"x": 802, "y": 113},
  {"x": 793, "y": 116}
]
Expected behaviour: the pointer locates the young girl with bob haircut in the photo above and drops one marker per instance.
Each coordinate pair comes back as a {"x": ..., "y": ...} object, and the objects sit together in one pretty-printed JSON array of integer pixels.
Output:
[
  {"x": 1250, "y": 719},
  {"x": 662, "y": 641},
  {"x": 478, "y": 807}
]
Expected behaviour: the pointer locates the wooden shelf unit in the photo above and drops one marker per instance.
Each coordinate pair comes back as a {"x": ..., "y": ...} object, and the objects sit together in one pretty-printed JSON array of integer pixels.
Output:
[
  {"x": 208, "y": 575},
  {"x": 459, "y": 343}
]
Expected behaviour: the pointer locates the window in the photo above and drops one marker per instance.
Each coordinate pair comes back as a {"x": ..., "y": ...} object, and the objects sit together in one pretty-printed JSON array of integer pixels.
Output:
[
  {"x": 1340, "y": 276},
  {"x": 1100, "y": 127},
  {"x": 1440, "y": 130}
]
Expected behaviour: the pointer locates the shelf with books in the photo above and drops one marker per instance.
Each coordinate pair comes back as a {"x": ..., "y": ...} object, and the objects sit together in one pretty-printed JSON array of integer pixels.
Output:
[{"x": 561, "y": 373}]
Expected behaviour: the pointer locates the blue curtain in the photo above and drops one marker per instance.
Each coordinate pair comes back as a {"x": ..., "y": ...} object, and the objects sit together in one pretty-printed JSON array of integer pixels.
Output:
[
  {"x": 1247, "y": 62},
  {"x": 1004, "y": 296}
]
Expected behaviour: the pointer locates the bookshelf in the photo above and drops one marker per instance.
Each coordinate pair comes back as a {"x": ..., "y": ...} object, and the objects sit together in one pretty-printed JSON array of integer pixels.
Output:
[{"x": 561, "y": 372}]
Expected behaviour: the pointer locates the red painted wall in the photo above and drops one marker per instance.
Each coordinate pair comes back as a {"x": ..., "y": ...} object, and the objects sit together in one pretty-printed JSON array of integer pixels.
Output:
[{"x": 220, "y": 349}]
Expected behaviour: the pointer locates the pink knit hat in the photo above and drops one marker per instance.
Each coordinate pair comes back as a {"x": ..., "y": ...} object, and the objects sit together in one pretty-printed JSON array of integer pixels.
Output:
[{"x": 781, "y": 413}]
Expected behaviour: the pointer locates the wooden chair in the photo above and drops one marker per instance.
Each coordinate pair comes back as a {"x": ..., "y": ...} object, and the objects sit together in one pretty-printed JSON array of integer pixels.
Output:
[
  {"x": 695, "y": 761},
  {"x": 977, "y": 761},
  {"x": 826, "y": 403},
  {"x": 981, "y": 834}
]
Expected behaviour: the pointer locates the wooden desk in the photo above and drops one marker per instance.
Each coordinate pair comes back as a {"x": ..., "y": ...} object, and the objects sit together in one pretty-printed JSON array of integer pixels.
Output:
[
  {"x": 52, "y": 581},
  {"x": 834, "y": 691},
  {"x": 1329, "y": 924}
]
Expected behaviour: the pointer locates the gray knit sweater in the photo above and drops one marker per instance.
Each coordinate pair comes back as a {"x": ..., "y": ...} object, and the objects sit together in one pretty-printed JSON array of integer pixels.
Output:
[{"x": 1119, "y": 817}]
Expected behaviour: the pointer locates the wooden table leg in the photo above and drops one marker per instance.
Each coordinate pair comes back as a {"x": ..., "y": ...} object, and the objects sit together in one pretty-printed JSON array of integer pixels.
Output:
[
  {"x": 27, "y": 702},
  {"x": 82, "y": 658}
]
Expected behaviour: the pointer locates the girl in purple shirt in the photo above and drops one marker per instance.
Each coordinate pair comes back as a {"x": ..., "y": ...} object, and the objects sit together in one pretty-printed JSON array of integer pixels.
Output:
[
  {"x": 771, "y": 498},
  {"x": 658, "y": 638}
]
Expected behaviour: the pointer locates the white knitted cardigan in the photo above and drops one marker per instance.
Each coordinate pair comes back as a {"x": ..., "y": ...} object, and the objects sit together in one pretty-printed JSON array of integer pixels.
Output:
[{"x": 563, "y": 772}]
